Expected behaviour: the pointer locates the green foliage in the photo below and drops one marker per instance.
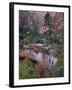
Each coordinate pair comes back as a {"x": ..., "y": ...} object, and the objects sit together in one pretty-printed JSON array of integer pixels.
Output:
[
  {"x": 60, "y": 56},
  {"x": 27, "y": 70},
  {"x": 25, "y": 33},
  {"x": 29, "y": 36}
]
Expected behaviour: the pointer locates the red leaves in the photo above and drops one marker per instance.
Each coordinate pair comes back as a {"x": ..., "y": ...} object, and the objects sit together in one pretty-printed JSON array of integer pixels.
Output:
[
  {"x": 41, "y": 68},
  {"x": 21, "y": 55}
]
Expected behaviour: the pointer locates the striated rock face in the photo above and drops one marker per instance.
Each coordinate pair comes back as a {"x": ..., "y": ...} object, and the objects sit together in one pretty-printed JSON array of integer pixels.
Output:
[
  {"x": 41, "y": 15},
  {"x": 34, "y": 20},
  {"x": 28, "y": 19}
]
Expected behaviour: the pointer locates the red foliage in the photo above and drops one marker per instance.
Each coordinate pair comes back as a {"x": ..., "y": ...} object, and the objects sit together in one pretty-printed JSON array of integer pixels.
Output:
[
  {"x": 41, "y": 68},
  {"x": 21, "y": 55}
]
